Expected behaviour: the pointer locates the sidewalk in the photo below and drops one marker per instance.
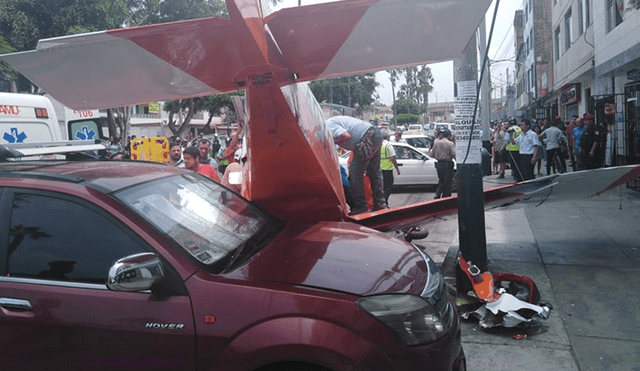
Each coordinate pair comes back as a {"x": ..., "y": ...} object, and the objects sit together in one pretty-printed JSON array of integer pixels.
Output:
[{"x": 583, "y": 256}]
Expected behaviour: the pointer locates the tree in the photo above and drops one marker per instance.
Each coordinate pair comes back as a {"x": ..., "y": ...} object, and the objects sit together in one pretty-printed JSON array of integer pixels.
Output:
[
  {"x": 357, "y": 91},
  {"x": 145, "y": 12},
  {"x": 418, "y": 80},
  {"x": 118, "y": 120},
  {"x": 408, "y": 118},
  {"x": 404, "y": 106},
  {"x": 24, "y": 22},
  {"x": 393, "y": 77},
  {"x": 213, "y": 104},
  {"x": 7, "y": 73}
]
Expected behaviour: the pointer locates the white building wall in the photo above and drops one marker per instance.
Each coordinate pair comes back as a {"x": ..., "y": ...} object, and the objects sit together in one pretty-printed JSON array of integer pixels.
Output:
[
  {"x": 617, "y": 51},
  {"x": 575, "y": 64}
]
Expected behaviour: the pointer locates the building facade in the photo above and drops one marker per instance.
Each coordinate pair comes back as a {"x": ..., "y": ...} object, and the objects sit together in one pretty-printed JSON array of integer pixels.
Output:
[
  {"x": 534, "y": 63},
  {"x": 596, "y": 52}
]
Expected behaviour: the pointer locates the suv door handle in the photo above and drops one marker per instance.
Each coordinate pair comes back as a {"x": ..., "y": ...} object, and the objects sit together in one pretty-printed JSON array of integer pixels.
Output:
[{"x": 15, "y": 304}]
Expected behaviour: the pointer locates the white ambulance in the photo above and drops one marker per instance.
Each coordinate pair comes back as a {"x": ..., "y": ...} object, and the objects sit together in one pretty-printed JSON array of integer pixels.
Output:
[
  {"x": 26, "y": 118},
  {"x": 78, "y": 124}
]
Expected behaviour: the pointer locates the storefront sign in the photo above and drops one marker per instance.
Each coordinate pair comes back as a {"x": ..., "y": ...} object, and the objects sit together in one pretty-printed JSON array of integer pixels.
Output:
[
  {"x": 633, "y": 74},
  {"x": 571, "y": 94}
]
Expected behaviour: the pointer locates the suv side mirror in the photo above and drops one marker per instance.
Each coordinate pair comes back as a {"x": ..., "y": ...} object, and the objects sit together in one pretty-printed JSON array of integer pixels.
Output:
[{"x": 137, "y": 272}]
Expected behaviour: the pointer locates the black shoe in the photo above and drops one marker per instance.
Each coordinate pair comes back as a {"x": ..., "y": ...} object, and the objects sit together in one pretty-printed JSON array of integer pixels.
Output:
[{"x": 501, "y": 176}]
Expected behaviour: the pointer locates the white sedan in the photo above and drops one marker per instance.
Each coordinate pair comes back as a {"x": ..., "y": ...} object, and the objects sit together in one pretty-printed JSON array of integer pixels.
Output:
[{"x": 416, "y": 168}]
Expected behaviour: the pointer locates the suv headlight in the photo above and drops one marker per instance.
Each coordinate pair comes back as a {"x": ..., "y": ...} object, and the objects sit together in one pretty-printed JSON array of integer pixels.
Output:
[{"x": 413, "y": 318}]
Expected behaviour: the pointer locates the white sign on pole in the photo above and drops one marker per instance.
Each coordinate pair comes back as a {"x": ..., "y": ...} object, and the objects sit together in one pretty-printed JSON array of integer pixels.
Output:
[{"x": 464, "y": 106}]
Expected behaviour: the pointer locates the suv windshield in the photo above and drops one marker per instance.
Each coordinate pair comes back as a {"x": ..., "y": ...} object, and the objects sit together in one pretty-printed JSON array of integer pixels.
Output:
[{"x": 208, "y": 221}]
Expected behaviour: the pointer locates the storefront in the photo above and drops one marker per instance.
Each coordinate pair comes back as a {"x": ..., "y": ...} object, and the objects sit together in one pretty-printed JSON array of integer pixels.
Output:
[
  {"x": 632, "y": 123},
  {"x": 570, "y": 96}
]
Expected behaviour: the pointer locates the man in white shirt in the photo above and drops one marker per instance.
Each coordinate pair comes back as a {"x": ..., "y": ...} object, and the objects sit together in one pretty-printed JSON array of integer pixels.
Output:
[{"x": 529, "y": 146}]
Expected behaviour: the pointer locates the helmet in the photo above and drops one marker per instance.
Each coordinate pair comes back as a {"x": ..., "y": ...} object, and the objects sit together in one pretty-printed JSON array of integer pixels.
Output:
[
  {"x": 445, "y": 132},
  {"x": 512, "y": 121}
]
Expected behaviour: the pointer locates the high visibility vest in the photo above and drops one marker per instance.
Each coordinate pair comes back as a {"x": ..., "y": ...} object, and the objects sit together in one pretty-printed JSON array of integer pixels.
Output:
[
  {"x": 385, "y": 159},
  {"x": 514, "y": 147}
]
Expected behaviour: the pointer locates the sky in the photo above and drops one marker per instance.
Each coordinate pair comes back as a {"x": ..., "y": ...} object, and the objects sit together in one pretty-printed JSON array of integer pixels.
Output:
[{"x": 502, "y": 47}]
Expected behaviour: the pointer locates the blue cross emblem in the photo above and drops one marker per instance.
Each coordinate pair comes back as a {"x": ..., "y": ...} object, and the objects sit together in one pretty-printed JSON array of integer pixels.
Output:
[
  {"x": 85, "y": 133},
  {"x": 14, "y": 137}
]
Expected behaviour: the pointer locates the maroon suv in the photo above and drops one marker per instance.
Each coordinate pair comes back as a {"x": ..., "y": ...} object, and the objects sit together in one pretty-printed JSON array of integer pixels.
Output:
[{"x": 130, "y": 265}]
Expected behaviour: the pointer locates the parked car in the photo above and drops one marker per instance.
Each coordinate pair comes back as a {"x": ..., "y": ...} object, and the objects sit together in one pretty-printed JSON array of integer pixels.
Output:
[
  {"x": 127, "y": 264},
  {"x": 420, "y": 141},
  {"x": 416, "y": 168},
  {"x": 416, "y": 129}
]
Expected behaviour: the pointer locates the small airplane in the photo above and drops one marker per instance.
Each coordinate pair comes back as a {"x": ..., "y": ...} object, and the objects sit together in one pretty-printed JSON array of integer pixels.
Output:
[{"x": 292, "y": 169}]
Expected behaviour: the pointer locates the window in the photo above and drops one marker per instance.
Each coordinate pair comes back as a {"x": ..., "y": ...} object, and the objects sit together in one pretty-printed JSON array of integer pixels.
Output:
[
  {"x": 567, "y": 30},
  {"x": 581, "y": 25},
  {"x": 58, "y": 239},
  {"x": 614, "y": 13},
  {"x": 556, "y": 42},
  {"x": 531, "y": 38},
  {"x": 211, "y": 224}
]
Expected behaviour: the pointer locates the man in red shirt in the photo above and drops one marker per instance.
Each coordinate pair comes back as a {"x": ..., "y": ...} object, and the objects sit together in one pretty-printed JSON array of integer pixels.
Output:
[{"x": 191, "y": 157}]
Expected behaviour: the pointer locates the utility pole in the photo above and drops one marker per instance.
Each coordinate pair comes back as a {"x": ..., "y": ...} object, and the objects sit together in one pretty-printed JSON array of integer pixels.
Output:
[
  {"x": 473, "y": 241},
  {"x": 485, "y": 95}
]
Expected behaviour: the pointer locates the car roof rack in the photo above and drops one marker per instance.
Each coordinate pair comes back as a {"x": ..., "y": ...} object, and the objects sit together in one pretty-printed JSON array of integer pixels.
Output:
[{"x": 18, "y": 150}]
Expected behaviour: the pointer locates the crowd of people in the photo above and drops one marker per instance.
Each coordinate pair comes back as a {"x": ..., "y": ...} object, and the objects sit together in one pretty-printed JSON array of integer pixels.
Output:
[
  {"x": 220, "y": 160},
  {"x": 525, "y": 144},
  {"x": 522, "y": 144}
]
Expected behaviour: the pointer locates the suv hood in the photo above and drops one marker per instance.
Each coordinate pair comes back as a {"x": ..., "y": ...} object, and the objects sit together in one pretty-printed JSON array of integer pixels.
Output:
[{"x": 342, "y": 257}]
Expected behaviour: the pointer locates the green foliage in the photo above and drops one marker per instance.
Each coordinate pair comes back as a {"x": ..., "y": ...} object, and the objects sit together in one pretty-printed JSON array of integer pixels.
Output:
[
  {"x": 6, "y": 72},
  {"x": 24, "y": 22},
  {"x": 406, "y": 106},
  {"x": 408, "y": 118},
  {"x": 212, "y": 104},
  {"x": 357, "y": 91},
  {"x": 418, "y": 84},
  {"x": 145, "y": 12}
]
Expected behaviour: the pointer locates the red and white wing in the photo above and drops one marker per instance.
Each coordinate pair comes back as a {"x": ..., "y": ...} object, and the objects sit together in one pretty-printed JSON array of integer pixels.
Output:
[
  {"x": 579, "y": 185},
  {"x": 349, "y": 37},
  {"x": 293, "y": 171},
  {"x": 214, "y": 55}
]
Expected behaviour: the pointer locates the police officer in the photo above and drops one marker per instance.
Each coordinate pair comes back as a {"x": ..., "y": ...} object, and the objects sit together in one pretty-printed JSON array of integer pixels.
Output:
[
  {"x": 444, "y": 150},
  {"x": 513, "y": 149},
  {"x": 592, "y": 143},
  {"x": 387, "y": 163}
]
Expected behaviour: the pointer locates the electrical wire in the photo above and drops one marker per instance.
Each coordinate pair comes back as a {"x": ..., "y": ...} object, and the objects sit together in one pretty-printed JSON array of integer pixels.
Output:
[{"x": 484, "y": 65}]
